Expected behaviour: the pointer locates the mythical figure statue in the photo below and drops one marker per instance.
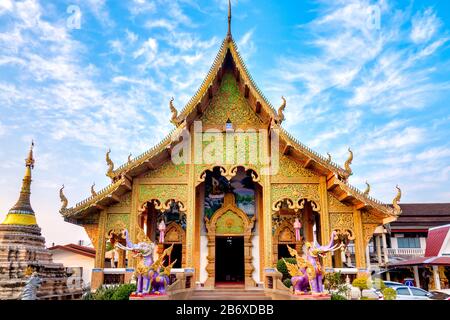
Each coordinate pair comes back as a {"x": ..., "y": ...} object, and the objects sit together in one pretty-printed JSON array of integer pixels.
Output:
[
  {"x": 31, "y": 286},
  {"x": 150, "y": 279},
  {"x": 160, "y": 279},
  {"x": 143, "y": 251},
  {"x": 307, "y": 272}
]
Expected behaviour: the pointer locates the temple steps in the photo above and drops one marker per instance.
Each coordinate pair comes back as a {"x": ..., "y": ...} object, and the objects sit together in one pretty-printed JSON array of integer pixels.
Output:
[{"x": 229, "y": 294}]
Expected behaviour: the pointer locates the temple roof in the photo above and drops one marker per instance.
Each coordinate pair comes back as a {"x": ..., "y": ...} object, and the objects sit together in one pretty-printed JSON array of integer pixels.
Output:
[
  {"x": 421, "y": 216},
  {"x": 337, "y": 177}
]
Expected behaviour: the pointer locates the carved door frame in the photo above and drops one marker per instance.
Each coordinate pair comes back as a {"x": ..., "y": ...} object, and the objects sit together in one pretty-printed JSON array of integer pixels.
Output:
[{"x": 211, "y": 224}]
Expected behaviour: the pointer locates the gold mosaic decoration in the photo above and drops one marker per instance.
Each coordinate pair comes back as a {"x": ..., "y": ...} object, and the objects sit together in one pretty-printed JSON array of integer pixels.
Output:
[{"x": 229, "y": 103}]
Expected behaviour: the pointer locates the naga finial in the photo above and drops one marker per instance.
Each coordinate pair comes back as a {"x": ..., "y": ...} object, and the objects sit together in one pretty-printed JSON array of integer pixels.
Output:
[
  {"x": 63, "y": 199},
  {"x": 129, "y": 158},
  {"x": 349, "y": 162},
  {"x": 174, "y": 119},
  {"x": 110, "y": 172},
  {"x": 93, "y": 193},
  {"x": 280, "y": 114},
  {"x": 329, "y": 157},
  {"x": 396, "y": 200},
  {"x": 366, "y": 192}
]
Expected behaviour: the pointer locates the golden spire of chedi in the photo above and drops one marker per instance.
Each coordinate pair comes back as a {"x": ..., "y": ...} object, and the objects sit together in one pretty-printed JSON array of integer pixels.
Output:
[{"x": 22, "y": 213}]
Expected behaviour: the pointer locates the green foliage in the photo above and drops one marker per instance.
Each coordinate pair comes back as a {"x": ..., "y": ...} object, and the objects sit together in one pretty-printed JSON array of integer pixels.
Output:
[
  {"x": 336, "y": 296},
  {"x": 334, "y": 283},
  {"x": 362, "y": 283},
  {"x": 123, "y": 292},
  {"x": 287, "y": 282},
  {"x": 115, "y": 292},
  {"x": 281, "y": 266},
  {"x": 332, "y": 280},
  {"x": 389, "y": 294}
]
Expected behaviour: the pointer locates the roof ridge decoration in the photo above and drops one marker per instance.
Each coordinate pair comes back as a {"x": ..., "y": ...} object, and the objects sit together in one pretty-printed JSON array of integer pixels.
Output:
[
  {"x": 66, "y": 212},
  {"x": 396, "y": 200},
  {"x": 348, "y": 162},
  {"x": 110, "y": 172},
  {"x": 175, "y": 119},
  {"x": 327, "y": 162}
]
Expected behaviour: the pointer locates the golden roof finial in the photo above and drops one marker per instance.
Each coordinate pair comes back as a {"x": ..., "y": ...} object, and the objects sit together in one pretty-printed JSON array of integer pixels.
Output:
[
  {"x": 280, "y": 114},
  {"x": 22, "y": 213},
  {"x": 229, "y": 19},
  {"x": 329, "y": 157},
  {"x": 396, "y": 200},
  {"x": 174, "y": 119},
  {"x": 110, "y": 172},
  {"x": 93, "y": 193},
  {"x": 349, "y": 162},
  {"x": 366, "y": 192},
  {"x": 129, "y": 158},
  {"x": 63, "y": 199}
]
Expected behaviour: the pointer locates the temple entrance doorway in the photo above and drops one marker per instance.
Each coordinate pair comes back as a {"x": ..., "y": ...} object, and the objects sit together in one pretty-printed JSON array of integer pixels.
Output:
[{"x": 230, "y": 268}]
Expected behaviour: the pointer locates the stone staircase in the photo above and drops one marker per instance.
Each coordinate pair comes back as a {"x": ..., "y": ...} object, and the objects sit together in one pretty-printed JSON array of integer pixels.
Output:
[{"x": 229, "y": 294}]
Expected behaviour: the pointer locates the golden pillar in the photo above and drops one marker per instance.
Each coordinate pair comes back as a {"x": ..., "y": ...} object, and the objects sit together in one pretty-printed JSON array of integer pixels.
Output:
[
  {"x": 190, "y": 213},
  {"x": 324, "y": 219},
  {"x": 134, "y": 218},
  {"x": 101, "y": 241},
  {"x": 267, "y": 202},
  {"x": 359, "y": 240}
]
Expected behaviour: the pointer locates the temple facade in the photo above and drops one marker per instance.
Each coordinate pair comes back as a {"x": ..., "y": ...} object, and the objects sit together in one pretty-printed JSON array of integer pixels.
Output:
[{"x": 230, "y": 188}]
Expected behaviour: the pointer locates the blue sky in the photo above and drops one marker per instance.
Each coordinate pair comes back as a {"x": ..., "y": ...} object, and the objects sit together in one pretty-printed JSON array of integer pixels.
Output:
[{"x": 383, "y": 90}]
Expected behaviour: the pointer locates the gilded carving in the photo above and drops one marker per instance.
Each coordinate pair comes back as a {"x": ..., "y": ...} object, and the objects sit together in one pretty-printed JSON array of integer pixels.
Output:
[
  {"x": 116, "y": 219},
  {"x": 368, "y": 230},
  {"x": 124, "y": 202},
  {"x": 296, "y": 192},
  {"x": 229, "y": 223},
  {"x": 163, "y": 193},
  {"x": 291, "y": 169},
  {"x": 334, "y": 205},
  {"x": 343, "y": 224},
  {"x": 369, "y": 217},
  {"x": 168, "y": 170},
  {"x": 229, "y": 104}
]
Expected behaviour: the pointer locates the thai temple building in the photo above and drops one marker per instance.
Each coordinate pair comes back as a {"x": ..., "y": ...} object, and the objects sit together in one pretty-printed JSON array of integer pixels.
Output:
[
  {"x": 232, "y": 188},
  {"x": 22, "y": 250}
]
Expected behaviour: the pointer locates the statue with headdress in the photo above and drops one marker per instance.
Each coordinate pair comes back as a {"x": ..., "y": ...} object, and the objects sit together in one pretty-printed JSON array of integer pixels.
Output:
[
  {"x": 307, "y": 274},
  {"x": 151, "y": 276}
]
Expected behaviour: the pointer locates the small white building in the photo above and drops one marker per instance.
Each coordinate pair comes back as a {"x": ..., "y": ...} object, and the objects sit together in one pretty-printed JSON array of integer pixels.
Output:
[{"x": 79, "y": 259}]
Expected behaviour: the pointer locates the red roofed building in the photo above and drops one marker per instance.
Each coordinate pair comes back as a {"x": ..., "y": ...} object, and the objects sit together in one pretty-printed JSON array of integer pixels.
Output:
[
  {"x": 78, "y": 258},
  {"x": 436, "y": 260}
]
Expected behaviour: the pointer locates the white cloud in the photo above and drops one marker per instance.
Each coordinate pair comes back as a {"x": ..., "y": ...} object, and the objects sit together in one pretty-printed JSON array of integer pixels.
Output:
[{"x": 424, "y": 26}]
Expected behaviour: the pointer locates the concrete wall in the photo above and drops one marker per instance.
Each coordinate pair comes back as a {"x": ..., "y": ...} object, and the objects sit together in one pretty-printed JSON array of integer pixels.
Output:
[{"x": 71, "y": 259}]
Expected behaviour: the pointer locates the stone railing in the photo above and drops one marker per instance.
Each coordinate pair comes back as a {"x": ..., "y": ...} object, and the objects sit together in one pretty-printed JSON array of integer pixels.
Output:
[{"x": 414, "y": 252}]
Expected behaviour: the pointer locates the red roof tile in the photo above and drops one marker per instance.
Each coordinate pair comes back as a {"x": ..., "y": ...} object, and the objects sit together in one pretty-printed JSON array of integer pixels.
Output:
[
  {"x": 86, "y": 251},
  {"x": 435, "y": 240}
]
